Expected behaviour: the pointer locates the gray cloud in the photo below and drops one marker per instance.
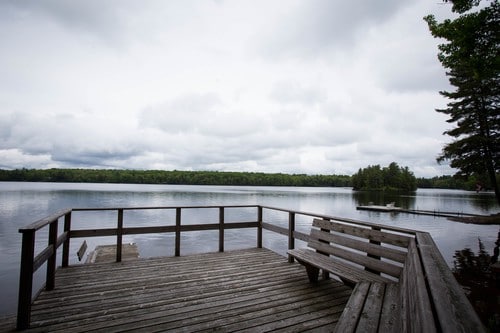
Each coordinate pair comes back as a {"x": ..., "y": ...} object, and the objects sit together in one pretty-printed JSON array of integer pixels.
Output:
[
  {"x": 314, "y": 86},
  {"x": 95, "y": 20},
  {"x": 184, "y": 113},
  {"x": 316, "y": 27},
  {"x": 291, "y": 92}
]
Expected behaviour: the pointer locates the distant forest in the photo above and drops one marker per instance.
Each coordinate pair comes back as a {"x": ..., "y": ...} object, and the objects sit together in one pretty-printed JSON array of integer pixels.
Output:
[
  {"x": 173, "y": 177},
  {"x": 209, "y": 178}
]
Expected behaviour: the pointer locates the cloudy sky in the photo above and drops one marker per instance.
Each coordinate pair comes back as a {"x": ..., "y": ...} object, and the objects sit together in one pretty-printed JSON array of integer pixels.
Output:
[{"x": 295, "y": 86}]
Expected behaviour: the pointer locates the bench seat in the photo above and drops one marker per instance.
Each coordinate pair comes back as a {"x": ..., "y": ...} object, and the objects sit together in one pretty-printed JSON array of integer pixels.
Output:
[
  {"x": 349, "y": 274},
  {"x": 372, "y": 307}
]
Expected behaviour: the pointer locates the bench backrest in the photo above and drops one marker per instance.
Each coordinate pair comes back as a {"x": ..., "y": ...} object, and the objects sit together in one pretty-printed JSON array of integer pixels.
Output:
[
  {"x": 431, "y": 298},
  {"x": 452, "y": 310},
  {"x": 375, "y": 250},
  {"x": 416, "y": 308}
]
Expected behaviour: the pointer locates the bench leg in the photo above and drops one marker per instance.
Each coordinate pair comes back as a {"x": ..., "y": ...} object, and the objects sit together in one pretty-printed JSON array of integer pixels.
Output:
[{"x": 312, "y": 273}]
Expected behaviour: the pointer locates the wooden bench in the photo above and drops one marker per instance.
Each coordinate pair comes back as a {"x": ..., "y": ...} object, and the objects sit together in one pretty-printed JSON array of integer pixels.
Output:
[{"x": 401, "y": 282}]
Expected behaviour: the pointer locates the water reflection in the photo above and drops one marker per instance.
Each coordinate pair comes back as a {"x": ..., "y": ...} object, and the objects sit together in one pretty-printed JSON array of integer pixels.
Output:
[
  {"x": 381, "y": 198},
  {"x": 431, "y": 199}
]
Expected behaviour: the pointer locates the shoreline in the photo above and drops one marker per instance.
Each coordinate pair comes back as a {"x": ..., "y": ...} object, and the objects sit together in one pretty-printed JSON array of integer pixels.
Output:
[{"x": 484, "y": 219}]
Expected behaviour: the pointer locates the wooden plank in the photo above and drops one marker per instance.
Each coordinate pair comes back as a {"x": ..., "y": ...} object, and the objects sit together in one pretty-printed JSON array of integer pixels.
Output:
[
  {"x": 62, "y": 238},
  {"x": 316, "y": 324},
  {"x": 377, "y": 250},
  {"x": 418, "y": 308},
  {"x": 347, "y": 220},
  {"x": 368, "y": 233},
  {"x": 369, "y": 318},
  {"x": 176, "y": 278},
  {"x": 81, "y": 250},
  {"x": 42, "y": 257},
  {"x": 164, "y": 292},
  {"x": 184, "y": 264},
  {"x": 44, "y": 221},
  {"x": 184, "y": 295},
  {"x": 454, "y": 311},
  {"x": 92, "y": 232},
  {"x": 160, "y": 207},
  {"x": 177, "y": 312},
  {"x": 353, "y": 257},
  {"x": 250, "y": 316},
  {"x": 79, "y": 233},
  {"x": 107, "y": 253},
  {"x": 390, "y": 315},
  {"x": 349, "y": 319},
  {"x": 275, "y": 228},
  {"x": 253, "y": 290},
  {"x": 162, "y": 298},
  {"x": 301, "y": 236}
]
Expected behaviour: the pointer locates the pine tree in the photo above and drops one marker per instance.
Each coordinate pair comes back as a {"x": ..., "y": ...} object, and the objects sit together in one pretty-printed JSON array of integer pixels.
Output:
[{"x": 471, "y": 58}]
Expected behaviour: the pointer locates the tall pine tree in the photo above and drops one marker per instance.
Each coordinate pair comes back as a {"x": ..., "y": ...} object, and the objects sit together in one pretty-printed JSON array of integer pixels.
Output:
[{"x": 471, "y": 57}]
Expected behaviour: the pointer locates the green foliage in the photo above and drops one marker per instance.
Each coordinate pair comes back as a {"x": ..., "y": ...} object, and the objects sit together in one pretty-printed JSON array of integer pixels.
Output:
[
  {"x": 470, "y": 183},
  {"x": 173, "y": 177},
  {"x": 480, "y": 281},
  {"x": 472, "y": 59},
  {"x": 236, "y": 178},
  {"x": 471, "y": 268},
  {"x": 391, "y": 177}
]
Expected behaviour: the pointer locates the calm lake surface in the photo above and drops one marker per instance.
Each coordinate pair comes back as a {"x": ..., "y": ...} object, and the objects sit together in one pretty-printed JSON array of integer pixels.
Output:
[{"x": 24, "y": 203}]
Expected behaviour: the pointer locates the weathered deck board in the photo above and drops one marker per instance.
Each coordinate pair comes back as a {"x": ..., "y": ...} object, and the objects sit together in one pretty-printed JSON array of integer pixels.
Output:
[{"x": 254, "y": 289}]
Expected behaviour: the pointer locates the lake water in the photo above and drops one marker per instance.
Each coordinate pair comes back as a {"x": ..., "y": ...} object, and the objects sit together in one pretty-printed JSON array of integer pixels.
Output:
[{"x": 24, "y": 203}]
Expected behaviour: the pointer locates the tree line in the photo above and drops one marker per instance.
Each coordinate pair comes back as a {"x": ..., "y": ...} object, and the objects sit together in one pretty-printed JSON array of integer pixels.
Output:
[
  {"x": 174, "y": 177},
  {"x": 372, "y": 176}
]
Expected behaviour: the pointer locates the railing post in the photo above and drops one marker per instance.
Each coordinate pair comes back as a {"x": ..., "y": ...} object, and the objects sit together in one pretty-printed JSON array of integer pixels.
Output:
[
  {"x": 221, "y": 229},
  {"x": 177, "y": 231},
  {"x": 51, "y": 261},
  {"x": 67, "y": 230},
  {"x": 26, "y": 280},
  {"x": 259, "y": 228},
  {"x": 371, "y": 255},
  {"x": 325, "y": 274},
  {"x": 291, "y": 230},
  {"x": 119, "y": 236}
]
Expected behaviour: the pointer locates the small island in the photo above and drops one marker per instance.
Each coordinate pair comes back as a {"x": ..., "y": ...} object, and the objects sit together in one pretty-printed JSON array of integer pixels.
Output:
[{"x": 390, "y": 178}]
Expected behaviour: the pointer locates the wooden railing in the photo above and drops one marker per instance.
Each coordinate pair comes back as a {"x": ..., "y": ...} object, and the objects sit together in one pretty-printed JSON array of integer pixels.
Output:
[{"x": 31, "y": 261}]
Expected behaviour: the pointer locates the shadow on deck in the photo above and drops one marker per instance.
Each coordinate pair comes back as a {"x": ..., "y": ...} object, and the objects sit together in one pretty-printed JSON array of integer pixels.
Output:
[{"x": 253, "y": 289}]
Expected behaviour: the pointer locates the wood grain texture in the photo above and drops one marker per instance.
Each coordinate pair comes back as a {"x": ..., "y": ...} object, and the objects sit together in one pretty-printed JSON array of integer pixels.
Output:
[
  {"x": 452, "y": 306},
  {"x": 244, "y": 290}
]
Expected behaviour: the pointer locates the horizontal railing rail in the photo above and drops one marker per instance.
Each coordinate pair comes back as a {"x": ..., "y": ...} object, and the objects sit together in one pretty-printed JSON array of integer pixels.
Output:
[{"x": 31, "y": 262}]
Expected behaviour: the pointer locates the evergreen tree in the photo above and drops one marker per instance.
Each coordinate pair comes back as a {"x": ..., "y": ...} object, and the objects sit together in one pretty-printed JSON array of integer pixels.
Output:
[
  {"x": 471, "y": 58},
  {"x": 392, "y": 177}
]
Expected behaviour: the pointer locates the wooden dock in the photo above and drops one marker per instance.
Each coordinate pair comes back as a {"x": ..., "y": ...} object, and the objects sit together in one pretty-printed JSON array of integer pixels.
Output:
[
  {"x": 107, "y": 253},
  {"x": 243, "y": 290},
  {"x": 378, "y": 208},
  {"x": 393, "y": 209}
]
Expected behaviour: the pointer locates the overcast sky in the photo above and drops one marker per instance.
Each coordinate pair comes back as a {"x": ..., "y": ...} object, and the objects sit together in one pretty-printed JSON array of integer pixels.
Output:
[{"x": 295, "y": 86}]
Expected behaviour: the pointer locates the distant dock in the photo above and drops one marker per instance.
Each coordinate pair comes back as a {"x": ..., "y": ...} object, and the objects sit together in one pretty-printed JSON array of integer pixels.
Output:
[
  {"x": 377, "y": 208},
  {"x": 390, "y": 208}
]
